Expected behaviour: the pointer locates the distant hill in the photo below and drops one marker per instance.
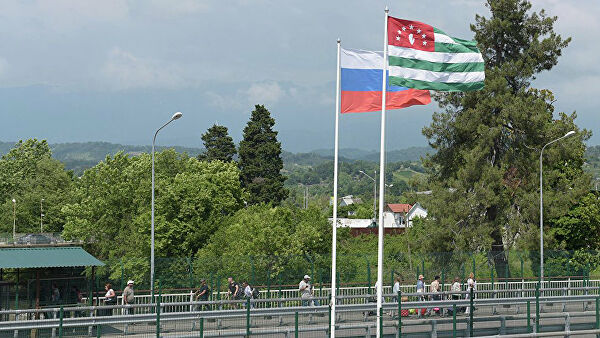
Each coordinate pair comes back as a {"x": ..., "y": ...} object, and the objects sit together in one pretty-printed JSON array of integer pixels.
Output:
[
  {"x": 80, "y": 156},
  {"x": 408, "y": 154}
]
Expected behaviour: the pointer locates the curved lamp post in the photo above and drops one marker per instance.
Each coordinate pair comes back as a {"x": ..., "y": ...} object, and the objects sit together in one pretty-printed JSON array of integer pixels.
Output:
[
  {"x": 173, "y": 118},
  {"x": 374, "y": 193},
  {"x": 572, "y": 132}
]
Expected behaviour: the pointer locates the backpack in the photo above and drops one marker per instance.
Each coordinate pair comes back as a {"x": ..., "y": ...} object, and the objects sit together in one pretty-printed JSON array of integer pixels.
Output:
[{"x": 255, "y": 293}]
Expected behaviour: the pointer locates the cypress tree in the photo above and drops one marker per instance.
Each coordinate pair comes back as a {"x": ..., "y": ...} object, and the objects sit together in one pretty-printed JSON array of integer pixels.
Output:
[
  {"x": 218, "y": 144},
  {"x": 260, "y": 160}
]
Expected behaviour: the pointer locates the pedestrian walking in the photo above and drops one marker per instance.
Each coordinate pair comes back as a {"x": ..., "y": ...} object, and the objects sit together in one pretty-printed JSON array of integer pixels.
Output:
[
  {"x": 128, "y": 297},
  {"x": 435, "y": 287},
  {"x": 307, "y": 292},
  {"x": 110, "y": 298},
  {"x": 421, "y": 289},
  {"x": 455, "y": 289},
  {"x": 248, "y": 293},
  {"x": 201, "y": 295},
  {"x": 471, "y": 285},
  {"x": 235, "y": 292}
]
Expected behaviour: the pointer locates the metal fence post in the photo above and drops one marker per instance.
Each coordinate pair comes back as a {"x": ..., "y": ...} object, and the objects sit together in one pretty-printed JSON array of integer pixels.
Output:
[
  {"x": 597, "y": 313},
  {"x": 337, "y": 282},
  {"x": 368, "y": 273},
  {"x": 218, "y": 287},
  {"x": 399, "y": 313},
  {"x": 472, "y": 309},
  {"x": 537, "y": 308},
  {"x": 279, "y": 285},
  {"x": 158, "y": 310},
  {"x": 201, "y": 327},
  {"x": 122, "y": 274},
  {"x": 189, "y": 261},
  {"x": 17, "y": 289},
  {"x": 252, "y": 270},
  {"x": 443, "y": 278},
  {"x": 454, "y": 320},
  {"x": 381, "y": 322},
  {"x": 61, "y": 314},
  {"x": 296, "y": 324},
  {"x": 248, "y": 317},
  {"x": 492, "y": 280},
  {"x": 269, "y": 280},
  {"x": 528, "y": 317}
]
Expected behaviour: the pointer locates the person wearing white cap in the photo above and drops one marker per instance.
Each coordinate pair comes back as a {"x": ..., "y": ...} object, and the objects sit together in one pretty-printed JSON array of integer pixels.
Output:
[
  {"x": 306, "y": 291},
  {"x": 128, "y": 296}
]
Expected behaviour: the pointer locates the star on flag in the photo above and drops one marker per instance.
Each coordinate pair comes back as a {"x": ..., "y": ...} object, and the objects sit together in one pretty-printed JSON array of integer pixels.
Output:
[{"x": 418, "y": 35}]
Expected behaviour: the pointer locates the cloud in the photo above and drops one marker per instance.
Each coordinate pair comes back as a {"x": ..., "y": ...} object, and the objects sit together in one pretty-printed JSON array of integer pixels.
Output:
[
  {"x": 3, "y": 66},
  {"x": 177, "y": 8},
  {"x": 123, "y": 70},
  {"x": 265, "y": 92}
]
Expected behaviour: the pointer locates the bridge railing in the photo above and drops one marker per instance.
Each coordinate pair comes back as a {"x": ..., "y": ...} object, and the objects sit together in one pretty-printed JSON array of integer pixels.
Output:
[{"x": 249, "y": 317}]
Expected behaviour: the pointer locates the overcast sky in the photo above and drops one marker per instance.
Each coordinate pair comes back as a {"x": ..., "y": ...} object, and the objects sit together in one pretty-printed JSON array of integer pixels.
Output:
[{"x": 115, "y": 70}]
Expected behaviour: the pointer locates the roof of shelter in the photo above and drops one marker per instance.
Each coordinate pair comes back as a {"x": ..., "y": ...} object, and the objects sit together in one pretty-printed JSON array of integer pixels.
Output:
[{"x": 46, "y": 257}]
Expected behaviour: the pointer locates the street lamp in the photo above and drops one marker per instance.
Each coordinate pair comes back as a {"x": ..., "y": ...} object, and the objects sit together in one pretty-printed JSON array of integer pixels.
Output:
[
  {"x": 374, "y": 192},
  {"x": 14, "y": 219},
  {"x": 572, "y": 132},
  {"x": 41, "y": 215},
  {"x": 173, "y": 118}
]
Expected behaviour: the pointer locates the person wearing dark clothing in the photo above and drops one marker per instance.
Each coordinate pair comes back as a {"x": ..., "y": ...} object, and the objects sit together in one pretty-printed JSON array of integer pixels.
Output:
[
  {"x": 201, "y": 295},
  {"x": 235, "y": 291}
]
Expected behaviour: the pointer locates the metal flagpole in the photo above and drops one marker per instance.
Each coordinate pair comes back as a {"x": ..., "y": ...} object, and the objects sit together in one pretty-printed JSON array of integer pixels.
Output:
[
  {"x": 335, "y": 192},
  {"x": 382, "y": 181}
]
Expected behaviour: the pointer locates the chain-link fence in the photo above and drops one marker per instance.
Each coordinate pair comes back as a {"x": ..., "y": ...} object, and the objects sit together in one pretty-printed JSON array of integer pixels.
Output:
[{"x": 274, "y": 274}]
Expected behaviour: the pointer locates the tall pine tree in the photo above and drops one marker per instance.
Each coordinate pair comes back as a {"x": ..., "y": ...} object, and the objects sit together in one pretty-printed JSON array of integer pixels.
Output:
[
  {"x": 485, "y": 171},
  {"x": 218, "y": 144},
  {"x": 260, "y": 159}
]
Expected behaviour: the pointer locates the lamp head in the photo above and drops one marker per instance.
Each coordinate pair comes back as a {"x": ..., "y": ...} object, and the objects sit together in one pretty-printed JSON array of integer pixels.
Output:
[
  {"x": 572, "y": 132},
  {"x": 14, "y": 200},
  {"x": 176, "y": 116}
]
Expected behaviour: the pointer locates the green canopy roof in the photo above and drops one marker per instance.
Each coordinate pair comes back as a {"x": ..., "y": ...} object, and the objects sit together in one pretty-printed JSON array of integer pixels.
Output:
[{"x": 46, "y": 257}]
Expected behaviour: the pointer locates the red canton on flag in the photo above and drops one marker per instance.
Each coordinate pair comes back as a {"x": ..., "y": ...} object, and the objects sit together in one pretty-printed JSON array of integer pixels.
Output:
[{"x": 410, "y": 34}]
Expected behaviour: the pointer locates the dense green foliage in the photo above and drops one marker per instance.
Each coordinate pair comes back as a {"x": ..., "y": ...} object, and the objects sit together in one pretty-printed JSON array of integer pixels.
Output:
[
  {"x": 488, "y": 142},
  {"x": 218, "y": 144},
  {"x": 29, "y": 174},
  {"x": 260, "y": 159},
  {"x": 111, "y": 204}
]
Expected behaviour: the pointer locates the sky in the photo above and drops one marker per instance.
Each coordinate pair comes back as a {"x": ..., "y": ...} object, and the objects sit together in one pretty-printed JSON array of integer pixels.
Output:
[{"x": 116, "y": 70}]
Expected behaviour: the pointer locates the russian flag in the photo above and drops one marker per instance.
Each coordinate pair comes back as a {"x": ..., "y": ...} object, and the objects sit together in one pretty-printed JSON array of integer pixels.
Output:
[{"x": 361, "y": 84}]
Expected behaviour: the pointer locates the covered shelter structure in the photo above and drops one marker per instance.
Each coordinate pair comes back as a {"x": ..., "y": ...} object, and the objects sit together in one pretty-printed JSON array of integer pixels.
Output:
[{"x": 58, "y": 267}]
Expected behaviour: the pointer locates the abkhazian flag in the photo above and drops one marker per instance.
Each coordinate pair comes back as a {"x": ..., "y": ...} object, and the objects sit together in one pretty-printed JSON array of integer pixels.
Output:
[{"x": 423, "y": 57}]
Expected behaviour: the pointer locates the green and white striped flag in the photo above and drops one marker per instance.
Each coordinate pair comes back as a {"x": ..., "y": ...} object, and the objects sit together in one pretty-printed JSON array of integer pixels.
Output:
[{"x": 423, "y": 57}]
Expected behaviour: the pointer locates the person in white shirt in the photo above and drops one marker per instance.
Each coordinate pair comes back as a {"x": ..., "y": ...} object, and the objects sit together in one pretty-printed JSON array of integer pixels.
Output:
[
  {"x": 247, "y": 291},
  {"x": 396, "y": 287},
  {"x": 471, "y": 285},
  {"x": 307, "y": 292}
]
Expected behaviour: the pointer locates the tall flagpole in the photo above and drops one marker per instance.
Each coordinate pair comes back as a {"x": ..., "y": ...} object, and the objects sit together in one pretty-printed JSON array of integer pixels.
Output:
[
  {"x": 382, "y": 181},
  {"x": 335, "y": 192}
]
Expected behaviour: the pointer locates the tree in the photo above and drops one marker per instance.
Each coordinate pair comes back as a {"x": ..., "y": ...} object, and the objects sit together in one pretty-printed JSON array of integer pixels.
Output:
[
  {"x": 270, "y": 241},
  {"x": 219, "y": 145},
  {"x": 579, "y": 228},
  {"x": 29, "y": 174},
  {"x": 485, "y": 171},
  {"x": 260, "y": 159},
  {"x": 111, "y": 204}
]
